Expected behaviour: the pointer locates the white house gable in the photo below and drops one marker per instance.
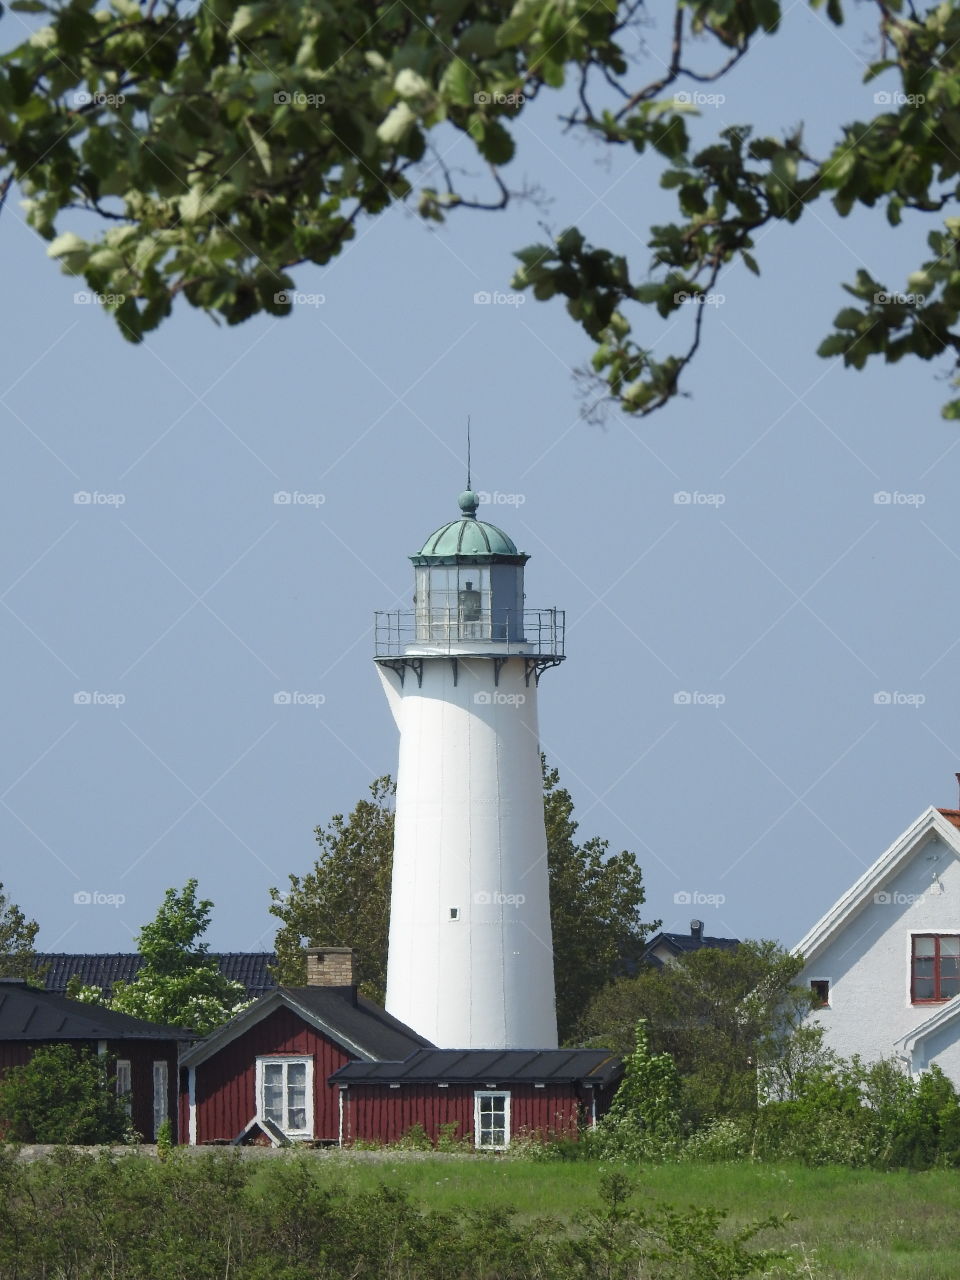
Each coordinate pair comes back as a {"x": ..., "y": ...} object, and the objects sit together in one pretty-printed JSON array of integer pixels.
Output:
[{"x": 886, "y": 957}]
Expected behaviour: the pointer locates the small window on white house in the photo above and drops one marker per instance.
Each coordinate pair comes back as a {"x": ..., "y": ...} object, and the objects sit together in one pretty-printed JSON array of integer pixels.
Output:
[
  {"x": 285, "y": 1094},
  {"x": 124, "y": 1087},
  {"x": 821, "y": 992},
  {"x": 160, "y": 1096},
  {"x": 491, "y": 1120}
]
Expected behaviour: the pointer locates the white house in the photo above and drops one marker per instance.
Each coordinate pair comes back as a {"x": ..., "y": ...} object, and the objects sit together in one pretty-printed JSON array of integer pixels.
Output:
[{"x": 885, "y": 959}]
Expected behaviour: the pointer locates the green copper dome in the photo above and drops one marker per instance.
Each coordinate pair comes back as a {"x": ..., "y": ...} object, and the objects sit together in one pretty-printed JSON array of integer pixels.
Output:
[{"x": 468, "y": 536}]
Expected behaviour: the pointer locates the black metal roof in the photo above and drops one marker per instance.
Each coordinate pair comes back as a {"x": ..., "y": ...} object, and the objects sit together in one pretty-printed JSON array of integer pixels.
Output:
[
  {"x": 350, "y": 1019},
  {"x": 27, "y": 1013},
  {"x": 488, "y": 1066},
  {"x": 101, "y": 969},
  {"x": 680, "y": 944}
]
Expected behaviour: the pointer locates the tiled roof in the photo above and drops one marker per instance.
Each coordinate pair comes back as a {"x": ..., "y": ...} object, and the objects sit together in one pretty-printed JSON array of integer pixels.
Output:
[
  {"x": 677, "y": 944},
  {"x": 27, "y": 1013},
  {"x": 102, "y": 969},
  {"x": 488, "y": 1066},
  {"x": 951, "y": 815}
]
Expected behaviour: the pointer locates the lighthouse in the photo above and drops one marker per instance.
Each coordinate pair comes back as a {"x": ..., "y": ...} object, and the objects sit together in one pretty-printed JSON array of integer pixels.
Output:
[{"x": 470, "y": 963}]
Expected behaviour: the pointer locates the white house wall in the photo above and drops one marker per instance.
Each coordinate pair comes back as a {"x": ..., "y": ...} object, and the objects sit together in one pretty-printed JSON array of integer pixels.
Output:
[
  {"x": 868, "y": 962},
  {"x": 470, "y": 838}
]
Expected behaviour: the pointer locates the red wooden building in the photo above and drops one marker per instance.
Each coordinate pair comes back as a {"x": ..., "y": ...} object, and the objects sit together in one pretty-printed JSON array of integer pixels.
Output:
[
  {"x": 322, "y": 1063},
  {"x": 274, "y": 1060},
  {"x": 143, "y": 1054},
  {"x": 493, "y": 1095}
]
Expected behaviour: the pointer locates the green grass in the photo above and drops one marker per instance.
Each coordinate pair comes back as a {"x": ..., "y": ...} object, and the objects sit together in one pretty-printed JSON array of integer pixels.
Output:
[{"x": 848, "y": 1222}]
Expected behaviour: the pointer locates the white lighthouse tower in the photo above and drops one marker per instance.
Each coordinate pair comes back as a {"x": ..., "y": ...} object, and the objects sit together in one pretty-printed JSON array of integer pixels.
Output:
[{"x": 470, "y": 963}]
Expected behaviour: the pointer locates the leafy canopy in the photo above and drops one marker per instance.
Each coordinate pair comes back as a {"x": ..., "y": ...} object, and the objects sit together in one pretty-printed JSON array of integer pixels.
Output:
[
  {"x": 179, "y": 983},
  {"x": 222, "y": 145},
  {"x": 17, "y": 938}
]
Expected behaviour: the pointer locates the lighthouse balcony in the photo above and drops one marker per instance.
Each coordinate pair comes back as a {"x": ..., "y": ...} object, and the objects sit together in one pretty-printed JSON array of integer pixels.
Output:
[{"x": 536, "y": 633}]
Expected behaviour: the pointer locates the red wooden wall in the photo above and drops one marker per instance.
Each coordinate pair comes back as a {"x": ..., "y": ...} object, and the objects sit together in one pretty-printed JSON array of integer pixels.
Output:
[
  {"x": 379, "y": 1113},
  {"x": 226, "y": 1082}
]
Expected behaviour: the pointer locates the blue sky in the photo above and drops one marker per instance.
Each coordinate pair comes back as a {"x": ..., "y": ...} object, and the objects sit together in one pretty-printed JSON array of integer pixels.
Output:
[{"x": 790, "y": 594}]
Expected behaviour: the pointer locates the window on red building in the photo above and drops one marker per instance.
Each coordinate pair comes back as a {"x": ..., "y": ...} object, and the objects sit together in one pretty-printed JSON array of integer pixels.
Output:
[{"x": 935, "y": 967}]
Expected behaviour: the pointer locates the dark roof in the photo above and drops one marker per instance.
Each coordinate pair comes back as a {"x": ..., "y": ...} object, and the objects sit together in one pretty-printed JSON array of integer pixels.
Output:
[
  {"x": 27, "y": 1013},
  {"x": 683, "y": 943},
  {"x": 488, "y": 1066},
  {"x": 103, "y": 969},
  {"x": 356, "y": 1023}
]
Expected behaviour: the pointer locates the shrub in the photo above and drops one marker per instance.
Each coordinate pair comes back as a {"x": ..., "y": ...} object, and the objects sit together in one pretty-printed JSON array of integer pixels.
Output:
[{"x": 62, "y": 1095}]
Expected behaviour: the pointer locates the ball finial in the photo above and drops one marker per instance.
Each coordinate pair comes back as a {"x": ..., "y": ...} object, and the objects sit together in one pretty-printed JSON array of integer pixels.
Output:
[{"x": 468, "y": 503}]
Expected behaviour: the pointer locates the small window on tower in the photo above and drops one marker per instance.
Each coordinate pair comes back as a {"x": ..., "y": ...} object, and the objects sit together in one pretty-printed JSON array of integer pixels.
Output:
[
  {"x": 821, "y": 992},
  {"x": 454, "y": 913}
]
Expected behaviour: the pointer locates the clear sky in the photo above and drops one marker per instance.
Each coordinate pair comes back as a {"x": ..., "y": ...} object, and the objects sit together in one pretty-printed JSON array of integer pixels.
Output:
[{"x": 791, "y": 595}]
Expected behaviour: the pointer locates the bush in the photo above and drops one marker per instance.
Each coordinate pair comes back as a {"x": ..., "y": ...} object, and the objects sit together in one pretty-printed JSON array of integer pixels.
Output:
[{"x": 62, "y": 1095}]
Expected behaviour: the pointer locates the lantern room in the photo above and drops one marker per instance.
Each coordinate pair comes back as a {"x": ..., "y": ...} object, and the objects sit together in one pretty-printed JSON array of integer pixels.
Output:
[{"x": 469, "y": 582}]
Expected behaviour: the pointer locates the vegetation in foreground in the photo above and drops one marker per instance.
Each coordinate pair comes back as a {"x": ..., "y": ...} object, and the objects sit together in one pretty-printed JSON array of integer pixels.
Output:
[{"x": 83, "y": 1217}]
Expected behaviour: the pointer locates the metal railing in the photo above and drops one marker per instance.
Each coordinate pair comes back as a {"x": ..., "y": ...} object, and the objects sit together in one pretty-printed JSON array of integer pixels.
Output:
[{"x": 533, "y": 631}]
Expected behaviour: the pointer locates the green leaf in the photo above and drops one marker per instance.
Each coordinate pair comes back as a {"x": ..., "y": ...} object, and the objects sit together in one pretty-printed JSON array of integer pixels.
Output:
[{"x": 750, "y": 262}]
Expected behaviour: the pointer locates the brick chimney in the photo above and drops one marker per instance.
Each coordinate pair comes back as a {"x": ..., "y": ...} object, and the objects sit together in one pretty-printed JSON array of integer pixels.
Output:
[
  {"x": 696, "y": 931},
  {"x": 331, "y": 967}
]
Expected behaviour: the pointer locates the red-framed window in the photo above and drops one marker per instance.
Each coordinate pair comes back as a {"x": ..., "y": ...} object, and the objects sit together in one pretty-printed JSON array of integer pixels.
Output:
[{"x": 935, "y": 967}]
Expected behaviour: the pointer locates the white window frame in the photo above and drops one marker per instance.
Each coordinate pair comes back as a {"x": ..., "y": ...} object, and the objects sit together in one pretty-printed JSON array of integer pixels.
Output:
[
  {"x": 491, "y": 1093},
  {"x": 124, "y": 1085},
  {"x": 285, "y": 1060},
  {"x": 161, "y": 1094}
]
